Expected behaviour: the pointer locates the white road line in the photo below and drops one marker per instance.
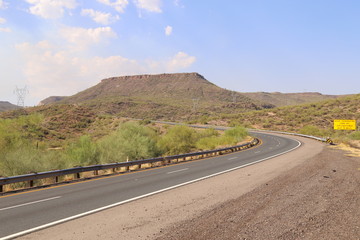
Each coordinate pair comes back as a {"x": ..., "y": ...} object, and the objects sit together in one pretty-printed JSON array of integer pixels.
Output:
[
  {"x": 29, "y": 203},
  {"x": 232, "y": 158},
  {"x": 139, "y": 197},
  {"x": 177, "y": 171}
]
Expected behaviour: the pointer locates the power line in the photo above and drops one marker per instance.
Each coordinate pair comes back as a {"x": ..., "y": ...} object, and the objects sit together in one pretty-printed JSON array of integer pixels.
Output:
[{"x": 21, "y": 93}]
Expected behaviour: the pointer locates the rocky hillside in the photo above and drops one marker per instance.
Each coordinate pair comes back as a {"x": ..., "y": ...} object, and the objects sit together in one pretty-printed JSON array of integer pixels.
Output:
[
  {"x": 294, "y": 118},
  {"x": 286, "y": 99},
  {"x": 181, "y": 86},
  {"x": 162, "y": 96},
  {"x": 5, "y": 106}
]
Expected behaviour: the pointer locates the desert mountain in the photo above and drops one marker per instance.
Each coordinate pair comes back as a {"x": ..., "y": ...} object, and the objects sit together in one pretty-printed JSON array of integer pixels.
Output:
[
  {"x": 180, "y": 86},
  {"x": 161, "y": 96},
  {"x": 5, "y": 106}
]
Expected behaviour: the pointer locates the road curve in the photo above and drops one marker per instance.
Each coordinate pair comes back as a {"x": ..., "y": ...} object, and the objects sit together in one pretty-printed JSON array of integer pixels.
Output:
[{"x": 30, "y": 211}]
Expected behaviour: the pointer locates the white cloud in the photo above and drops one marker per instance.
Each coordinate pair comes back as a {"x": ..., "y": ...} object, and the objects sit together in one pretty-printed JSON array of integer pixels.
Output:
[
  {"x": 50, "y": 9},
  {"x": 84, "y": 37},
  {"x": 119, "y": 5},
  {"x": 149, "y": 5},
  {"x": 3, "y": 5},
  {"x": 50, "y": 71},
  {"x": 2, "y": 20},
  {"x": 99, "y": 17},
  {"x": 168, "y": 30},
  {"x": 178, "y": 3},
  {"x": 180, "y": 61},
  {"x": 5, "y": 29}
]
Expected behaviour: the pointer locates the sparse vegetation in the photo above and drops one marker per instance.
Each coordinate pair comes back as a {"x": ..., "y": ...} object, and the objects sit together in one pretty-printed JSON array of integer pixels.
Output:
[
  {"x": 24, "y": 148},
  {"x": 87, "y": 129}
]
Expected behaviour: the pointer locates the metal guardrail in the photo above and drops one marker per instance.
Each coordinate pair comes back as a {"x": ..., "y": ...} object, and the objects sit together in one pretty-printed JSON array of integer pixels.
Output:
[
  {"x": 76, "y": 171},
  {"x": 325, "y": 140}
]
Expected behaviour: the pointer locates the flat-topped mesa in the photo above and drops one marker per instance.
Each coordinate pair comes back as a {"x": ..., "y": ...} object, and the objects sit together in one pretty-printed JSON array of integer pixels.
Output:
[
  {"x": 158, "y": 76},
  {"x": 170, "y": 90}
]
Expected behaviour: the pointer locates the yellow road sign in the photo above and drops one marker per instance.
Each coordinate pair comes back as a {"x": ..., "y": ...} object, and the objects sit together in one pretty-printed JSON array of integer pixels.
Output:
[{"x": 344, "y": 124}]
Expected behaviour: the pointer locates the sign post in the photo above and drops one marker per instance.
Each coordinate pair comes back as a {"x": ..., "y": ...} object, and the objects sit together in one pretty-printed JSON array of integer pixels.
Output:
[{"x": 344, "y": 124}]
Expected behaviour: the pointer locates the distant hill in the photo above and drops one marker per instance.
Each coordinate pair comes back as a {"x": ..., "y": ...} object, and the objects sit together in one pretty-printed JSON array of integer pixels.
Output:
[
  {"x": 294, "y": 118},
  {"x": 6, "y": 106},
  {"x": 286, "y": 99},
  {"x": 51, "y": 99},
  {"x": 161, "y": 96}
]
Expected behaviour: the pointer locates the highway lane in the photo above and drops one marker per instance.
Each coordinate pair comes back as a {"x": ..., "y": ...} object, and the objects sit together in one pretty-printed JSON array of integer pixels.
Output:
[{"x": 42, "y": 208}]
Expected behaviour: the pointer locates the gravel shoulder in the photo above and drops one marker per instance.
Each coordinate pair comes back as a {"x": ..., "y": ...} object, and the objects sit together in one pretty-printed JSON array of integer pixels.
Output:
[
  {"x": 310, "y": 193},
  {"x": 318, "y": 199}
]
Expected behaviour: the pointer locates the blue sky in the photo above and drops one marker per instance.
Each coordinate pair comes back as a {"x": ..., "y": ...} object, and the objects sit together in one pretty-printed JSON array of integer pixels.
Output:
[{"x": 60, "y": 47}]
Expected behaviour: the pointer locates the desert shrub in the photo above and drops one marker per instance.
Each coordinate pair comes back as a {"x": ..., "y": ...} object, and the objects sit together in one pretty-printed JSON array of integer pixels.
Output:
[
  {"x": 209, "y": 132},
  {"x": 131, "y": 141},
  {"x": 312, "y": 130},
  {"x": 83, "y": 152},
  {"x": 235, "y": 135},
  {"x": 355, "y": 135},
  {"x": 208, "y": 143},
  {"x": 179, "y": 139}
]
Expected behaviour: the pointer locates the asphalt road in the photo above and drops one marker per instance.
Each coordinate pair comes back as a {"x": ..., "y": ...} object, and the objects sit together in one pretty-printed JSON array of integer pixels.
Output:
[{"x": 33, "y": 210}]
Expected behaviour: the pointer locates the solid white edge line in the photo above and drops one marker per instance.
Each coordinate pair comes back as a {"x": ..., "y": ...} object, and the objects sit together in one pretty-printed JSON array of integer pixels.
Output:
[
  {"x": 139, "y": 197},
  {"x": 29, "y": 203}
]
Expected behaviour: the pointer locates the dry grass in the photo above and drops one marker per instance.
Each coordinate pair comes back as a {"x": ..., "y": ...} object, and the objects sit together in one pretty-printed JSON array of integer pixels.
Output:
[{"x": 351, "y": 151}]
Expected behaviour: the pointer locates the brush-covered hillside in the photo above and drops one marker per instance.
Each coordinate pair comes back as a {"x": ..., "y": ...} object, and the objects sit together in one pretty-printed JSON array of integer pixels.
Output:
[
  {"x": 6, "y": 106},
  {"x": 286, "y": 99},
  {"x": 96, "y": 111},
  {"x": 312, "y": 118},
  {"x": 164, "y": 96}
]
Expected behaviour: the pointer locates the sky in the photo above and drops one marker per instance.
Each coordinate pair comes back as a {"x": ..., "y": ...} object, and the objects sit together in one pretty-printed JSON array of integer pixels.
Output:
[{"x": 61, "y": 47}]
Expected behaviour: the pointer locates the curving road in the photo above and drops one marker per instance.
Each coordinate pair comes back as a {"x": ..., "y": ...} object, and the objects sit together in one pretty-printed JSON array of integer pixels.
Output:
[{"x": 33, "y": 210}]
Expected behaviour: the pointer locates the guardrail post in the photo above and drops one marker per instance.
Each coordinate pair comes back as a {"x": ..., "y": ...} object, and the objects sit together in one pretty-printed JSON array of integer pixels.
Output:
[
  {"x": 1, "y": 188},
  {"x": 56, "y": 179},
  {"x": 31, "y": 183},
  {"x": 77, "y": 175},
  {"x": 96, "y": 172}
]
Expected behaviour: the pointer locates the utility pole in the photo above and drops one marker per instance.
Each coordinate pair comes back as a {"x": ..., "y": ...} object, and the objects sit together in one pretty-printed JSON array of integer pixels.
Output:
[{"x": 21, "y": 93}]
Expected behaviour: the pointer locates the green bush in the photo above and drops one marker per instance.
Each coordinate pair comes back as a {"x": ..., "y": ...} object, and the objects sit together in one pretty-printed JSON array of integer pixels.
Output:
[
  {"x": 83, "y": 152},
  {"x": 178, "y": 140},
  {"x": 235, "y": 135},
  {"x": 208, "y": 143},
  {"x": 312, "y": 130},
  {"x": 355, "y": 135},
  {"x": 131, "y": 141}
]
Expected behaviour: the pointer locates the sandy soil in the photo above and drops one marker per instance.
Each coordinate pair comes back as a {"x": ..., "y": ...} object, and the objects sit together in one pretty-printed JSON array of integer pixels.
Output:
[{"x": 311, "y": 192}]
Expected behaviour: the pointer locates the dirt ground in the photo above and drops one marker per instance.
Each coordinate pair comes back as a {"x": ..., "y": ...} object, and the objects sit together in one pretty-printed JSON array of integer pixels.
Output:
[
  {"x": 319, "y": 199},
  {"x": 310, "y": 193}
]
